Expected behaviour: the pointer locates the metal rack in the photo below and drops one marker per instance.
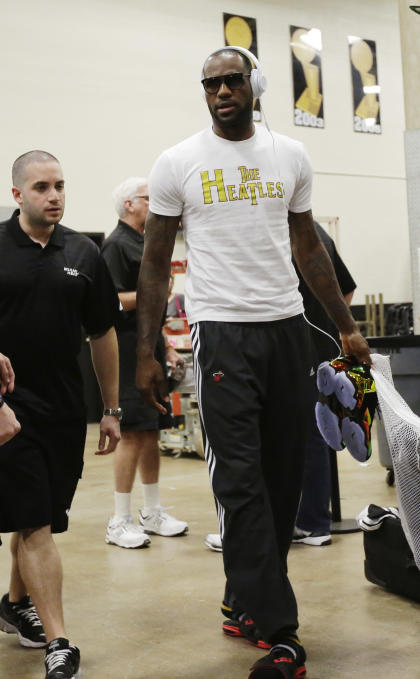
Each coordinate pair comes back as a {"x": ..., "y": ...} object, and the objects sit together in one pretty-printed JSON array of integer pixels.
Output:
[{"x": 374, "y": 321}]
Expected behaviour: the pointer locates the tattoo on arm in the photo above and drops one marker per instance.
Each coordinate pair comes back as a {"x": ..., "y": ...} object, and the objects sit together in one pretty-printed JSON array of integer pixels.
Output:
[
  {"x": 317, "y": 269},
  {"x": 152, "y": 287}
]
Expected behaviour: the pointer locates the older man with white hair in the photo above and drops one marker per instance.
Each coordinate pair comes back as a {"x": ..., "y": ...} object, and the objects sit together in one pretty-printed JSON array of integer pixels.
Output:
[{"x": 140, "y": 423}]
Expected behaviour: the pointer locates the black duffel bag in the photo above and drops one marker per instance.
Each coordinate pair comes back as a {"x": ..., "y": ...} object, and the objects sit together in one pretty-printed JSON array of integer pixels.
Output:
[{"x": 389, "y": 560}]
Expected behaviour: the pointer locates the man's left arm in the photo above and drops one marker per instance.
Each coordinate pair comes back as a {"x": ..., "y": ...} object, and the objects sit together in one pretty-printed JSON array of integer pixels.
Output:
[
  {"x": 104, "y": 350},
  {"x": 316, "y": 268}
]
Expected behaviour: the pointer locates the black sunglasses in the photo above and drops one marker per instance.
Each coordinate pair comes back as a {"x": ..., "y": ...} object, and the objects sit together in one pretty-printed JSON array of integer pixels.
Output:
[{"x": 234, "y": 81}]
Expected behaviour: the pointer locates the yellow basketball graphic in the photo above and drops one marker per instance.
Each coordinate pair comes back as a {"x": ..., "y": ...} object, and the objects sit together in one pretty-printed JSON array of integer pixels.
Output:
[{"x": 238, "y": 32}]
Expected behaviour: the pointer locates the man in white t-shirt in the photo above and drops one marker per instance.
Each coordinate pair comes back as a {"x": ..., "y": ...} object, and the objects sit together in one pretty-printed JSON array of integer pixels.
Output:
[{"x": 239, "y": 190}]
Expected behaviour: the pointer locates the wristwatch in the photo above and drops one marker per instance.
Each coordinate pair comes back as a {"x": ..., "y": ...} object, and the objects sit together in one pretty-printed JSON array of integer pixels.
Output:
[{"x": 115, "y": 412}]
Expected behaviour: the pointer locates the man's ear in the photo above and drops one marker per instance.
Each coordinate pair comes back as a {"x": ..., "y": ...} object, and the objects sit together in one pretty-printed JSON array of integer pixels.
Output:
[
  {"x": 128, "y": 205},
  {"x": 17, "y": 195}
]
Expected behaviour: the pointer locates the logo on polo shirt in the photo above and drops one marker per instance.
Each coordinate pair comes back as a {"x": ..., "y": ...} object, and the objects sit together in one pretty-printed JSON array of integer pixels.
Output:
[{"x": 71, "y": 272}]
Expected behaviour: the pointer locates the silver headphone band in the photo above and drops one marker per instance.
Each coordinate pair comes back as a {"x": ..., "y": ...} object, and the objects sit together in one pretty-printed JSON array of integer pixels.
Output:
[{"x": 236, "y": 48}]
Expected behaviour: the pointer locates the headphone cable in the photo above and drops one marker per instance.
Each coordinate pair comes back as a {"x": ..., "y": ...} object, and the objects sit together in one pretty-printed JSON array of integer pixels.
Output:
[{"x": 324, "y": 333}]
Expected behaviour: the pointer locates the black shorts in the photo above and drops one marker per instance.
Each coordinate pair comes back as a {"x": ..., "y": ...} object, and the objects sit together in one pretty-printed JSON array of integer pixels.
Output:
[
  {"x": 137, "y": 416},
  {"x": 39, "y": 472}
]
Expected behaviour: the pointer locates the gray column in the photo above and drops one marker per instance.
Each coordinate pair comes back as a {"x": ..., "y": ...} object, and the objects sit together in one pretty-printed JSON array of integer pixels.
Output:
[
  {"x": 410, "y": 50},
  {"x": 412, "y": 161}
]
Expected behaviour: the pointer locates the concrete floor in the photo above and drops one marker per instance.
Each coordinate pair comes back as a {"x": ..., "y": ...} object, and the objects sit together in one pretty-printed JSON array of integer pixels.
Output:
[{"x": 154, "y": 613}]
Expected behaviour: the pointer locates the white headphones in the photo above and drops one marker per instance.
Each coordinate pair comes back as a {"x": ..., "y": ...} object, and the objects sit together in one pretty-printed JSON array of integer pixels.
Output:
[{"x": 258, "y": 80}]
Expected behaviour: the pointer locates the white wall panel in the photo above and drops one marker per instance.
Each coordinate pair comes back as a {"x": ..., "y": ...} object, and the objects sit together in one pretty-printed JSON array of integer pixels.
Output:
[{"x": 107, "y": 85}]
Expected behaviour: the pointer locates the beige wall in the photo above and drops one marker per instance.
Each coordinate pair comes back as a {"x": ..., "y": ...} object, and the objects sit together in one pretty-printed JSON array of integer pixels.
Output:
[{"x": 107, "y": 85}]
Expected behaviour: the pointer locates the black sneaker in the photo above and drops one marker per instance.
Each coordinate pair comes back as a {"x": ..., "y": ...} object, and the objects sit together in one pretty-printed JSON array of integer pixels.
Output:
[
  {"x": 22, "y": 619},
  {"x": 278, "y": 664},
  {"x": 62, "y": 660},
  {"x": 245, "y": 628}
]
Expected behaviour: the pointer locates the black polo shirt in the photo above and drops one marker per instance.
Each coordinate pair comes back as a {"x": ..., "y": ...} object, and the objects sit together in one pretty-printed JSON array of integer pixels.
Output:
[
  {"x": 122, "y": 251},
  {"x": 46, "y": 296}
]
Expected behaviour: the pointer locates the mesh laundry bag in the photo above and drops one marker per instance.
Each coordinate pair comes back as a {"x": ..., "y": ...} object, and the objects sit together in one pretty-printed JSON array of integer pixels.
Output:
[{"x": 402, "y": 429}]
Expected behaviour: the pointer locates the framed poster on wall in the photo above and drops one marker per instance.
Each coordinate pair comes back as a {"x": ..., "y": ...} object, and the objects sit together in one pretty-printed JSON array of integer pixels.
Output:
[
  {"x": 366, "y": 89},
  {"x": 306, "y": 48},
  {"x": 242, "y": 32}
]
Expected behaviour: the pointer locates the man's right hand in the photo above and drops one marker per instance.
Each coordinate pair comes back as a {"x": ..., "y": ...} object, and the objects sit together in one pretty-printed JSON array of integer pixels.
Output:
[
  {"x": 354, "y": 344},
  {"x": 151, "y": 383},
  {"x": 9, "y": 426},
  {"x": 7, "y": 376}
]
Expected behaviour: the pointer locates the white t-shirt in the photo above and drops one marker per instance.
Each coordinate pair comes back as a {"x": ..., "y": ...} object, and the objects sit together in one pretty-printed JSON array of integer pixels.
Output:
[{"x": 234, "y": 199}]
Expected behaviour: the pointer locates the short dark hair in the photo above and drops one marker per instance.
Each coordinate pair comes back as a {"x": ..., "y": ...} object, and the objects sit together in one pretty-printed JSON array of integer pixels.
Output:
[
  {"x": 22, "y": 162},
  {"x": 228, "y": 50}
]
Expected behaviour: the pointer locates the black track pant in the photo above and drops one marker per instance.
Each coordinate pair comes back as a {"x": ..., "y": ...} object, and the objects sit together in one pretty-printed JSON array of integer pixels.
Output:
[{"x": 254, "y": 390}]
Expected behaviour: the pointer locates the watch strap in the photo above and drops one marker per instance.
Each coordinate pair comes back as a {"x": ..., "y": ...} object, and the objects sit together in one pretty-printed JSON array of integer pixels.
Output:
[{"x": 115, "y": 412}]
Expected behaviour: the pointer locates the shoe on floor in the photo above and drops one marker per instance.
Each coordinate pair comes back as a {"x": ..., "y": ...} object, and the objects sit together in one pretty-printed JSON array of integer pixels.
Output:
[
  {"x": 346, "y": 405},
  {"x": 245, "y": 628},
  {"x": 161, "y": 523},
  {"x": 214, "y": 542},
  {"x": 278, "y": 664},
  {"x": 22, "y": 619},
  {"x": 123, "y": 532},
  {"x": 313, "y": 538},
  {"x": 62, "y": 660},
  {"x": 373, "y": 516}
]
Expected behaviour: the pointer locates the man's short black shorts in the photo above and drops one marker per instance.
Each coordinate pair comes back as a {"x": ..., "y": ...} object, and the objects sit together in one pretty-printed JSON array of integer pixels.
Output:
[
  {"x": 39, "y": 472},
  {"x": 137, "y": 416}
]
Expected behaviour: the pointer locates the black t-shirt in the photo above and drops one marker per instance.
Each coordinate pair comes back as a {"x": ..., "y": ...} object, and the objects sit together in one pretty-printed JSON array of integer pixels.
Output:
[
  {"x": 46, "y": 295},
  {"x": 122, "y": 251},
  {"x": 314, "y": 311}
]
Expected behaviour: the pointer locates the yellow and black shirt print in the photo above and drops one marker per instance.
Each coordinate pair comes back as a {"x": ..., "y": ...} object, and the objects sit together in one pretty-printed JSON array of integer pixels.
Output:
[{"x": 249, "y": 186}]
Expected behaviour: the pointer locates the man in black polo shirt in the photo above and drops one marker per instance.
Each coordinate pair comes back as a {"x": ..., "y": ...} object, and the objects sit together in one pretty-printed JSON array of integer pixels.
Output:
[
  {"x": 313, "y": 522},
  {"x": 52, "y": 281},
  {"x": 123, "y": 251}
]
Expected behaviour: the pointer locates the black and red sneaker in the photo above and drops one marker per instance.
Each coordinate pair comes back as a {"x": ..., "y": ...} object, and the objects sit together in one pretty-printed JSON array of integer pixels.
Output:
[
  {"x": 245, "y": 628},
  {"x": 278, "y": 664}
]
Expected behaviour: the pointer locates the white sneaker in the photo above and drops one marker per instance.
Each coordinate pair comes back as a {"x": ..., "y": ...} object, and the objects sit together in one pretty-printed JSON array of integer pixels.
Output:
[
  {"x": 307, "y": 537},
  {"x": 161, "y": 523},
  {"x": 214, "y": 542},
  {"x": 124, "y": 532}
]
